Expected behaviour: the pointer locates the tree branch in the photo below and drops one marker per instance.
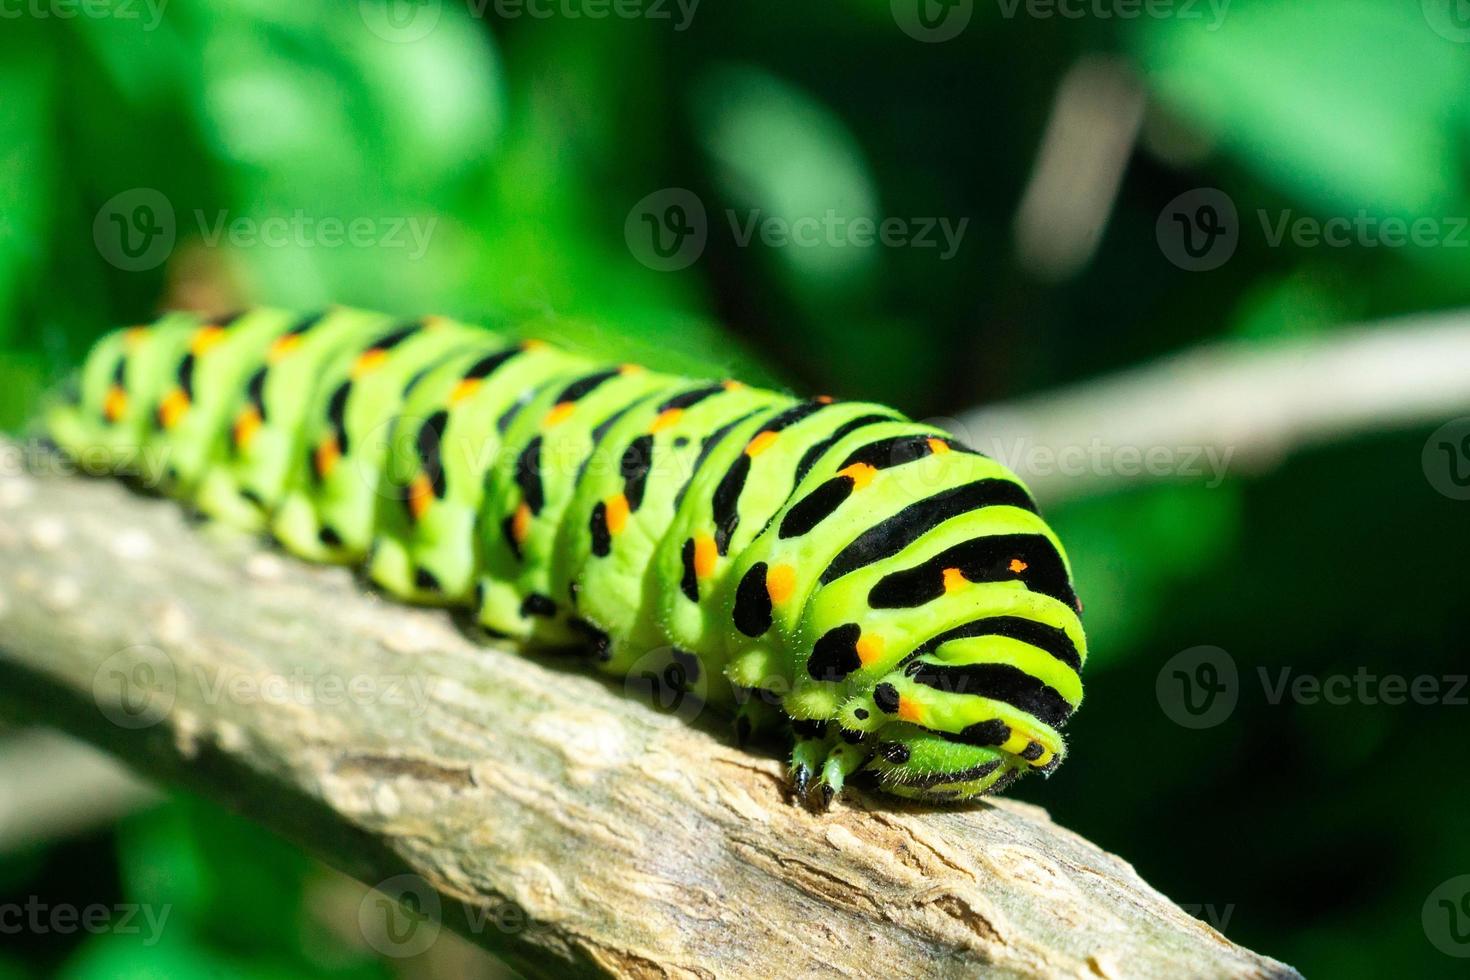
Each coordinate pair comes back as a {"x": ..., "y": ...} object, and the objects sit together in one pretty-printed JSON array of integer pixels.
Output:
[{"x": 383, "y": 739}]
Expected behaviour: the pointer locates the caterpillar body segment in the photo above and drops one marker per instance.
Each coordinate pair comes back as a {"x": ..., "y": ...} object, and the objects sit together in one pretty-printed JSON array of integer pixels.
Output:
[
  {"x": 330, "y": 511},
  {"x": 442, "y": 449},
  {"x": 263, "y": 442},
  {"x": 623, "y": 508},
  {"x": 548, "y": 441},
  {"x": 890, "y": 594}
]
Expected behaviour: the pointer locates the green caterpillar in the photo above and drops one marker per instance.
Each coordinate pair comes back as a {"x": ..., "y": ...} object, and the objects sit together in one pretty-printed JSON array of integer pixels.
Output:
[{"x": 888, "y": 591}]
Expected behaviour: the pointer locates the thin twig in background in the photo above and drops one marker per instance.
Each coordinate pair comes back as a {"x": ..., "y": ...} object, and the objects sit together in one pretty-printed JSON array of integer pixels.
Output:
[
  {"x": 1235, "y": 407},
  {"x": 52, "y": 786}
]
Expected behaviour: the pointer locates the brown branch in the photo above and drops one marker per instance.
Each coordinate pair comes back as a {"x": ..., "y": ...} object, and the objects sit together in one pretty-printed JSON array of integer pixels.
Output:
[{"x": 562, "y": 823}]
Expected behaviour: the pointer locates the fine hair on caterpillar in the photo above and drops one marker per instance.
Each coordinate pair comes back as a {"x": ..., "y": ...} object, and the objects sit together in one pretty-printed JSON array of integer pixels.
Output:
[{"x": 869, "y": 584}]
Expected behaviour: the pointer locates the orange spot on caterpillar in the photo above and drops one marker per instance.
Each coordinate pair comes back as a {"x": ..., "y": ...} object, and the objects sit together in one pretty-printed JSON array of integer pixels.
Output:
[
  {"x": 861, "y": 474},
  {"x": 368, "y": 361},
  {"x": 328, "y": 453},
  {"x": 420, "y": 496},
  {"x": 433, "y": 322},
  {"x": 631, "y": 369},
  {"x": 205, "y": 338},
  {"x": 706, "y": 555},
  {"x": 760, "y": 443},
  {"x": 1018, "y": 566},
  {"x": 780, "y": 583},
  {"x": 825, "y": 399},
  {"x": 666, "y": 418},
  {"x": 938, "y": 446},
  {"x": 173, "y": 407},
  {"x": 533, "y": 344},
  {"x": 870, "y": 648},
  {"x": 134, "y": 337},
  {"x": 910, "y": 710},
  {"x": 247, "y": 424},
  {"x": 282, "y": 347},
  {"x": 731, "y": 385},
  {"x": 115, "y": 404},
  {"x": 520, "y": 523},
  {"x": 558, "y": 414},
  {"x": 464, "y": 390},
  {"x": 954, "y": 580},
  {"x": 617, "y": 513}
]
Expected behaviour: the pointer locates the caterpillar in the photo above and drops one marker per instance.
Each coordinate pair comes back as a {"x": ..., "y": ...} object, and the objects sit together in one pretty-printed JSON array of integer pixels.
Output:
[{"x": 887, "y": 594}]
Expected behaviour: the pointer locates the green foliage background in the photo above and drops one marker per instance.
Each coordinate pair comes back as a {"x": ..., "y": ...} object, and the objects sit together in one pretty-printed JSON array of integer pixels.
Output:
[{"x": 1311, "y": 832}]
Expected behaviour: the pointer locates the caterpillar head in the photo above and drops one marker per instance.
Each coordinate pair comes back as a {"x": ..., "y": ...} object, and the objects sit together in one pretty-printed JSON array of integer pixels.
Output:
[
  {"x": 961, "y": 721},
  {"x": 923, "y": 764}
]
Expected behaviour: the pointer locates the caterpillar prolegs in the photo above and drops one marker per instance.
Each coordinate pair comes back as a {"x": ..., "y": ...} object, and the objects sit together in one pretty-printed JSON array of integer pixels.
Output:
[{"x": 889, "y": 592}]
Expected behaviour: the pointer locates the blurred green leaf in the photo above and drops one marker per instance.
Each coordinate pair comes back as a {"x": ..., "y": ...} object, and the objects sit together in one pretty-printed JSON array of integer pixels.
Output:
[{"x": 1342, "y": 104}]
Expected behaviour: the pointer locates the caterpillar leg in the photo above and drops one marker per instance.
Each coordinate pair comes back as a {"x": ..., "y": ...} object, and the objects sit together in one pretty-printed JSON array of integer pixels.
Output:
[
  {"x": 843, "y": 759},
  {"x": 812, "y": 743},
  {"x": 821, "y": 760}
]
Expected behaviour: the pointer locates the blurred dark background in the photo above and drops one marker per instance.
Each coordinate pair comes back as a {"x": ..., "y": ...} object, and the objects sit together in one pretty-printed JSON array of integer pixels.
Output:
[{"x": 1071, "y": 189}]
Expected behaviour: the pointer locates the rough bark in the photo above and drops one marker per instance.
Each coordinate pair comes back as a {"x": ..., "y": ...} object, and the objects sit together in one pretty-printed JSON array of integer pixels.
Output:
[{"x": 636, "y": 842}]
